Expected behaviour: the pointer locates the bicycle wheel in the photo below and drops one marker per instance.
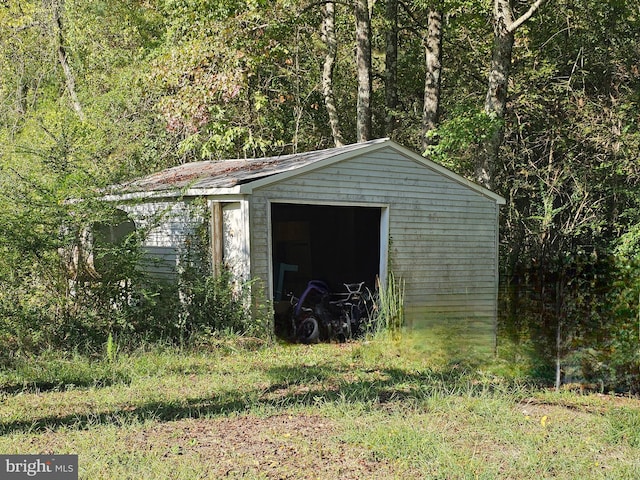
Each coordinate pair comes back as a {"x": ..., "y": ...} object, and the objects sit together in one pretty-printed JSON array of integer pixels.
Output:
[{"x": 308, "y": 331}]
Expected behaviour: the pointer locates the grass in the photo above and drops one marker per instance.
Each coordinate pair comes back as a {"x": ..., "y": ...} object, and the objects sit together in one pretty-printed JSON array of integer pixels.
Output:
[{"x": 381, "y": 409}]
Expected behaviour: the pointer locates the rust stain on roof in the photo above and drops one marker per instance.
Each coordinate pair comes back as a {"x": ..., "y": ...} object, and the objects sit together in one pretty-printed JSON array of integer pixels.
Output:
[
  {"x": 223, "y": 173},
  {"x": 229, "y": 173}
]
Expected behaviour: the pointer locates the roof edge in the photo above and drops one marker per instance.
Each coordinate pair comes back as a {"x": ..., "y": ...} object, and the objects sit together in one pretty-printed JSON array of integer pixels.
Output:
[
  {"x": 171, "y": 194},
  {"x": 368, "y": 147},
  {"x": 449, "y": 173},
  {"x": 356, "y": 150}
]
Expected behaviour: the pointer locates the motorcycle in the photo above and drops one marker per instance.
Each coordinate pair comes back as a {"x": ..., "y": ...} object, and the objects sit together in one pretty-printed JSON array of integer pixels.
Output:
[{"x": 321, "y": 315}]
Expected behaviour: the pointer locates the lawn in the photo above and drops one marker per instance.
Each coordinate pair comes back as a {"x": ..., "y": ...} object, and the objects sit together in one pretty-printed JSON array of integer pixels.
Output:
[{"x": 378, "y": 409}]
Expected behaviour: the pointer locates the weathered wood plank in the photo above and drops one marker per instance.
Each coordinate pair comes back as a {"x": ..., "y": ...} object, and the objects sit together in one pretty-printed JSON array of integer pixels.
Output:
[{"x": 443, "y": 235}]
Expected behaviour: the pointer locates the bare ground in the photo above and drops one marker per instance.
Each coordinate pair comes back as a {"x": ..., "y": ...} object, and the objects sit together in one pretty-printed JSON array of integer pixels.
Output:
[{"x": 277, "y": 447}]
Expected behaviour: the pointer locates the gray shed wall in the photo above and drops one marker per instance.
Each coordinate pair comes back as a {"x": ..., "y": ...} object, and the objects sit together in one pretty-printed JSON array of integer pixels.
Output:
[{"x": 443, "y": 235}]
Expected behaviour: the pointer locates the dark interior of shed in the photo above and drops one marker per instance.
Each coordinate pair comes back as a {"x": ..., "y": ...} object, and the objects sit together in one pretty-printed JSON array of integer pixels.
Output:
[{"x": 335, "y": 244}]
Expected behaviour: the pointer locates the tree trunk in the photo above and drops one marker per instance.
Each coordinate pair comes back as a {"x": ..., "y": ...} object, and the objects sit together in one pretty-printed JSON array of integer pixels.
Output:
[
  {"x": 558, "y": 381},
  {"x": 504, "y": 28},
  {"x": 21, "y": 93},
  {"x": 496, "y": 99},
  {"x": 363, "y": 65},
  {"x": 433, "y": 57},
  {"x": 329, "y": 38},
  {"x": 56, "y": 7},
  {"x": 391, "y": 66}
]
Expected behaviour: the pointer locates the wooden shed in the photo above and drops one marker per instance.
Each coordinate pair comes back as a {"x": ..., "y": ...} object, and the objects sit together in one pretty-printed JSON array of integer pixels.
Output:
[{"x": 344, "y": 214}]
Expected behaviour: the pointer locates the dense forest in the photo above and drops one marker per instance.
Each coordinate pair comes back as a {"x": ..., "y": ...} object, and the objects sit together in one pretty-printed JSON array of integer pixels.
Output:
[{"x": 537, "y": 100}]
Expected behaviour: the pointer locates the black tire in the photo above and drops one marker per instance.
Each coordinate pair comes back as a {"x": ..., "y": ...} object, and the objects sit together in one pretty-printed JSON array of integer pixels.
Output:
[{"x": 308, "y": 331}]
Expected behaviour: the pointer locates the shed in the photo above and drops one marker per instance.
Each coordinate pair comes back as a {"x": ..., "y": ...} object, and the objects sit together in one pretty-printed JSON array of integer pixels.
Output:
[{"x": 344, "y": 214}]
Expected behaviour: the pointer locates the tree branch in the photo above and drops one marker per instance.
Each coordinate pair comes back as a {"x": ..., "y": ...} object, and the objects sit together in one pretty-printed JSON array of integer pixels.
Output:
[
  {"x": 64, "y": 61},
  {"x": 21, "y": 28},
  {"x": 513, "y": 26}
]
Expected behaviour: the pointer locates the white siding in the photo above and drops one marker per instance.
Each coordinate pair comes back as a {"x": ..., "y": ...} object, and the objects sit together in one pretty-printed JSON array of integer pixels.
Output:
[
  {"x": 443, "y": 235},
  {"x": 235, "y": 245},
  {"x": 167, "y": 224}
]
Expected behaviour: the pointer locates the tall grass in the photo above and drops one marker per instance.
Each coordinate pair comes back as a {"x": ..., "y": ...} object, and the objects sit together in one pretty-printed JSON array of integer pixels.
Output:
[
  {"x": 390, "y": 306},
  {"x": 387, "y": 405}
]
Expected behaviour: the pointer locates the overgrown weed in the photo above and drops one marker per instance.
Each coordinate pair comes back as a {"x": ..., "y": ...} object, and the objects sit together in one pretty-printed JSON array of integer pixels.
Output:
[{"x": 437, "y": 418}]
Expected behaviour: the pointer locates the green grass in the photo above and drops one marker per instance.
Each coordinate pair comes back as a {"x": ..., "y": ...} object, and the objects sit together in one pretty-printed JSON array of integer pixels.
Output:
[{"x": 393, "y": 408}]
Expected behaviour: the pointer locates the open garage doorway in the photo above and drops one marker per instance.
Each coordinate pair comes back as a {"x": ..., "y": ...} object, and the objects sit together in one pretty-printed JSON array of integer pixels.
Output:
[{"x": 335, "y": 244}]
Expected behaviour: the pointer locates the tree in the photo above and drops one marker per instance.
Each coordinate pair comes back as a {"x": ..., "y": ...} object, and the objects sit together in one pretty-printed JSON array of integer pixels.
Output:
[
  {"x": 391, "y": 66},
  {"x": 57, "y": 7},
  {"x": 329, "y": 37},
  {"x": 433, "y": 58},
  {"x": 364, "y": 72},
  {"x": 504, "y": 27}
]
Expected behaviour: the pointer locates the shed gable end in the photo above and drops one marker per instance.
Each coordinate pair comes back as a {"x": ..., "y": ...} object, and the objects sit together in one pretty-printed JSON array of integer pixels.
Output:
[{"x": 442, "y": 234}]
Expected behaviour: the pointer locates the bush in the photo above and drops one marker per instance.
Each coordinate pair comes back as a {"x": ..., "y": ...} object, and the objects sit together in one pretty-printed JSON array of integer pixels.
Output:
[
  {"x": 214, "y": 303},
  {"x": 48, "y": 301},
  {"x": 619, "y": 349}
]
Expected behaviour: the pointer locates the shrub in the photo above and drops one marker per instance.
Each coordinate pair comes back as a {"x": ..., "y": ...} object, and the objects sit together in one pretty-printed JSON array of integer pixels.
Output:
[{"x": 214, "y": 301}]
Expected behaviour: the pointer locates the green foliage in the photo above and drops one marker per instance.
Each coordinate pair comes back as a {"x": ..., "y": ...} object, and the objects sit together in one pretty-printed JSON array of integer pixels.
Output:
[
  {"x": 228, "y": 80},
  {"x": 615, "y": 360},
  {"x": 70, "y": 273},
  {"x": 458, "y": 139},
  {"x": 164, "y": 82},
  {"x": 51, "y": 294},
  {"x": 76, "y": 292},
  {"x": 388, "y": 313},
  {"x": 571, "y": 192},
  {"x": 215, "y": 302},
  {"x": 111, "y": 349},
  {"x": 59, "y": 286}
]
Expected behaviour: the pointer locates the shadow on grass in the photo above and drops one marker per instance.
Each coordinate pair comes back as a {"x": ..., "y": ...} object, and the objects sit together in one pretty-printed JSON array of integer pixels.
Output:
[
  {"x": 158, "y": 411},
  {"x": 66, "y": 384},
  {"x": 385, "y": 385},
  {"x": 290, "y": 386}
]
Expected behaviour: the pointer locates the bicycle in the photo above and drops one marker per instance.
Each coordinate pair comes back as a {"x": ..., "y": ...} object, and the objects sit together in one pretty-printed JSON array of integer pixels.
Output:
[{"x": 319, "y": 314}]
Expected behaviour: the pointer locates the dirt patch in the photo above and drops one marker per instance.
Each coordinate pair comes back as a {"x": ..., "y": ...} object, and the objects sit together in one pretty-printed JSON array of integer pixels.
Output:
[
  {"x": 594, "y": 403},
  {"x": 281, "y": 446}
]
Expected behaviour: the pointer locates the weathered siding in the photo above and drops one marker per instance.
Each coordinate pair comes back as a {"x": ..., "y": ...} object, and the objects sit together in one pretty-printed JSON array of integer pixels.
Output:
[
  {"x": 442, "y": 233},
  {"x": 170, "y": 223},
  {"x": 235, "y": 242},
  {"x": 167, "y": 224}
]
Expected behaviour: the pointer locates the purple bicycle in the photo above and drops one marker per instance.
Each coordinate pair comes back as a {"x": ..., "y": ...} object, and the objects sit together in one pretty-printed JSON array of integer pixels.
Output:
[{"x": 322, "y": 315}]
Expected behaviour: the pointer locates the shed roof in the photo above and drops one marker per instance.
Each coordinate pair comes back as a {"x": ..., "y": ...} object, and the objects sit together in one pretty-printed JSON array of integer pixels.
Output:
[
  {"x": 242, "y": 175},
  {"x": 229, "y": 173}
]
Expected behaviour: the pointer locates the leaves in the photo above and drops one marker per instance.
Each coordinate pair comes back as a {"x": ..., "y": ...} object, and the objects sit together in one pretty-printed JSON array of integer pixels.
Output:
[{"x": 163, "y": 82}]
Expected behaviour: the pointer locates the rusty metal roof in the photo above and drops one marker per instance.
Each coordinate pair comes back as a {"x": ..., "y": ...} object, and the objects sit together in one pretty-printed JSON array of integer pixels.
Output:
[{"x": 229, "y": 173}]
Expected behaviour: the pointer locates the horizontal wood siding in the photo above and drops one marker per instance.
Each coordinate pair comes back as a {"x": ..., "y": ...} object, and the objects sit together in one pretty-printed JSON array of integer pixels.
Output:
[
  {"x": 442, "y": 233},
  {"x": 167, "y": 224}
]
